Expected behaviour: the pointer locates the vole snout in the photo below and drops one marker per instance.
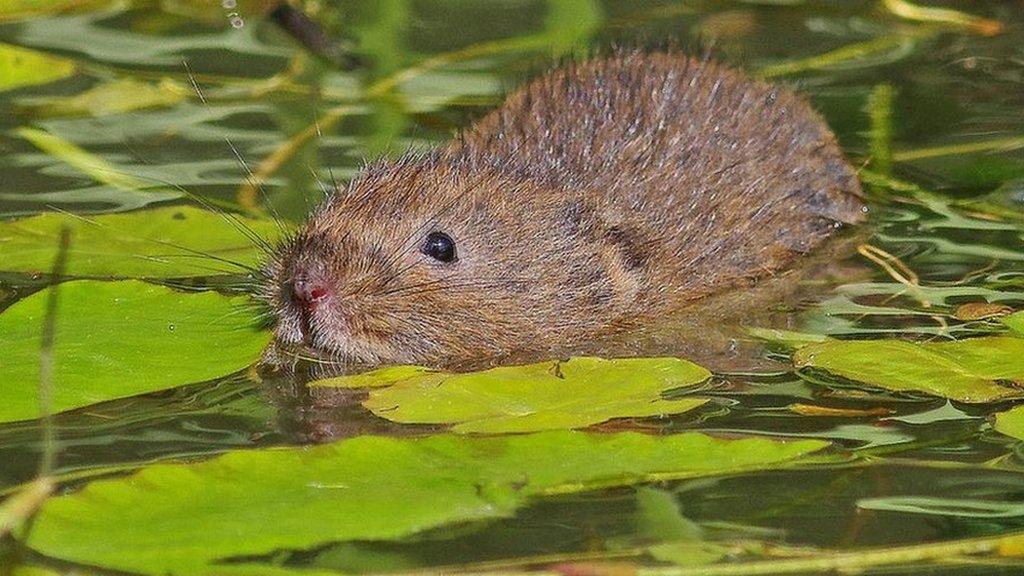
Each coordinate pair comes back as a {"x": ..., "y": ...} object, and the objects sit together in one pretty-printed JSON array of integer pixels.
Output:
[{"x": 309, "y": 289}]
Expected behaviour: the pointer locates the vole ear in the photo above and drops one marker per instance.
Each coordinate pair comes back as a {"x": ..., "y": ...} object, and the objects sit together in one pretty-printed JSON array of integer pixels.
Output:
[
  {"x": 625, "y": 255},
  {"x": 619, "y": 254}
]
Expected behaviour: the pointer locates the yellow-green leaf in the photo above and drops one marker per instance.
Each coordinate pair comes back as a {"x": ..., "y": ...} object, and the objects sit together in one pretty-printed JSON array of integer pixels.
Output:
[
  {"x": 188, "y": 518},
  {"x": 965, "y": 370},
  {"x": 576, "y": 393},
  {"x": 1011, "y": 422},
  {"x": 21, "y": 67},
  {"x": 167, "y": 242},
  {"x": 88, "y": 163},
  {"x": 119, "y": 339},
  {"x": 117, "y": 96}
]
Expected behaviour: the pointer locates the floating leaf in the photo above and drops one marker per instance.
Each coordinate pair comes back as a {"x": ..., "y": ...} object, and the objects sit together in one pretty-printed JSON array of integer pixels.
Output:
[
  {"x": 117, "y": 96},
  {"x": 119, "y": 339},
  {"x": 165, "y": 242},
  {"x": 20, "y": 67},
  {"x": 576, "y": 393},
  {"x": 1011, "y": 422},
  {"x": 375, "y": 378},
  {"x": 965, "y": 370},
  {"x": 1015, "y": 322},
  {"x": 181, "y": 518}
]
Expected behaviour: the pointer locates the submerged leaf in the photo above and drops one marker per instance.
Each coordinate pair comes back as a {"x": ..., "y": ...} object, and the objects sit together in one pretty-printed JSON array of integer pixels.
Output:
[
  {"x": 20, "y": 67},
  {"x": 658, "y": 517},
  {"x": 787, "y": 338},
  {"x": 119, "y": 339},
  {"x": 169, "y": 242},
  {"x": 89, "y": 164},
  {"x": 576, "y": 393},
  {"x": 970, "y": 311},
  {"x": 965, "y": 370},
  {"x": 181, "y": 518}
]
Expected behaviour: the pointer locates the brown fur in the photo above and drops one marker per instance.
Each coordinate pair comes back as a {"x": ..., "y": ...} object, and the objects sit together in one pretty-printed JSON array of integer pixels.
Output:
[{"x": 599, "y": 196}]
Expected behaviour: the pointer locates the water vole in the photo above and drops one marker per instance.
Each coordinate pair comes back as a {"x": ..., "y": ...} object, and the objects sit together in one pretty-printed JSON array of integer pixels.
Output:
[{"x": 598, "y": 196}]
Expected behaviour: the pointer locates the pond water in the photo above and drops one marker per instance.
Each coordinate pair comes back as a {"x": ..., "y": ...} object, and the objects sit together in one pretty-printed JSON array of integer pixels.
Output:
[{"x": 875, "y": 429}]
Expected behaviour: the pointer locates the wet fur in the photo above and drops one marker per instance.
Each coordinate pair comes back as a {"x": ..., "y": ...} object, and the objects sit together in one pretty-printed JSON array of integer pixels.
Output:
[{"x": 599, "y": 196}]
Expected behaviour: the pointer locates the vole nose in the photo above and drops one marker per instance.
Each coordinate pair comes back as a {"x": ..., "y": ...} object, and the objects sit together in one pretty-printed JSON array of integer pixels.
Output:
[{"x": 309, "y": 291}]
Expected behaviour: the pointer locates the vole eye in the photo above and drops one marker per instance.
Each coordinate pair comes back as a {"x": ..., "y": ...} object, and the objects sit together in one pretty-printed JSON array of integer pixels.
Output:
[{"x": 439, "y": 246}]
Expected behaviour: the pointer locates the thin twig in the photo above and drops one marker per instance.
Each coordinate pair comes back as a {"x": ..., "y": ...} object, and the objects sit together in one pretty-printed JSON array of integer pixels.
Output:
[{"x": 46, "y": 356}]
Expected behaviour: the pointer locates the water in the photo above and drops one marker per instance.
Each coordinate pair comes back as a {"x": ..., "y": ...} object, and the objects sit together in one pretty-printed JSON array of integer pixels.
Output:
[{"x": 957, "y": 132}]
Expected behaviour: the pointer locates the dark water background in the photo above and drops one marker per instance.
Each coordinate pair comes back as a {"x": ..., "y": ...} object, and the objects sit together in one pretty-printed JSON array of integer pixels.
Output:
[{"x": 428, "y": 68}]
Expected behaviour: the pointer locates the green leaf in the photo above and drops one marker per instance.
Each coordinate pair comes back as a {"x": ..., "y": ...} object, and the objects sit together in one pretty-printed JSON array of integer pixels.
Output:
[
  {"x": 375, "y": 378},
  {"x": 1014, "y": 322},
  {"x": 20, "y": 67},
  {"x": 170, "y": 242},
  {"x": 181, "y": 518},
  {"x": 117, "y": 96},
  {"x": 658, "y": 517},
  {"x": 677, "y": 539},
  {"x": 119, "y": 339},
  {"x": 965, "y": 370},
  {"x": 1011, "y": 422},
  {"x": 576, "y": 393},
  {"x": 688, "y": 554}
]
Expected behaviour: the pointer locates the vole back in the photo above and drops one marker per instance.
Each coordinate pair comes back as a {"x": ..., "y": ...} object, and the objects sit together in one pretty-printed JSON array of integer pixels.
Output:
[
  {"x": 597, "y": 197},
  {"x": 727, "y": 177}
]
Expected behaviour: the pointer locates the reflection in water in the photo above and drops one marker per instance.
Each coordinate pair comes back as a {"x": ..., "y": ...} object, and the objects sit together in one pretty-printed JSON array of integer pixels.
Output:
[{"x": 905, "y": 469}]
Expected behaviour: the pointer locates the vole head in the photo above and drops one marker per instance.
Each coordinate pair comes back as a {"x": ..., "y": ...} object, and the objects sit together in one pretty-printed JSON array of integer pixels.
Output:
[{"x": 422, "y": 261}]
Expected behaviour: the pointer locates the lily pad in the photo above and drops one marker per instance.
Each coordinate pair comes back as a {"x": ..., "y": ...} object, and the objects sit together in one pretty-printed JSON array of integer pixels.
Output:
[
  {"x": 375, "y": 378},
  {"x": 183, "y": 518},
  {"x": 966, "y": 370},
  {"x": 120, "y": 339},
  {"x": 20, "y": 67},
  {"x": 576, "y": 393},
  {"x": 1011, "y": 422},
  {"x": 169, "y": 242}
]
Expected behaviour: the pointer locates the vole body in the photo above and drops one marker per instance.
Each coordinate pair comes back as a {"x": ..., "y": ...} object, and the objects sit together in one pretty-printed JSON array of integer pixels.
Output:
[{"x": 599, "y": 196}]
